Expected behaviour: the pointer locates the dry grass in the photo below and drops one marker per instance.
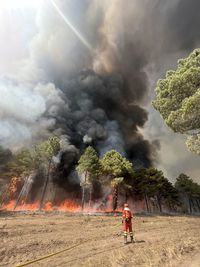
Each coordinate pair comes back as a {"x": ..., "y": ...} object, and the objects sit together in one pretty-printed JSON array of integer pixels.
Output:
[{"x": 160, "y": 241}]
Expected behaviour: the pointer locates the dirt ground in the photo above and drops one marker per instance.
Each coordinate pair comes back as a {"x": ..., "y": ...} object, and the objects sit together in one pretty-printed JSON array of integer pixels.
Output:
[{"x": 98, "y": 240}]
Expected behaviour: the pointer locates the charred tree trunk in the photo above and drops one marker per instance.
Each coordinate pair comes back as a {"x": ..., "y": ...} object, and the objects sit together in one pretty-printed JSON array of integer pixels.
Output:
[
  {"x": 20, "y": 194},
  {"x": 146, "y": 202},
  {"x": 159, "y": 203},
  {"x": 115, "y": 197},
  {"x": 45, "y": 185},
  {"x": 18, "y": 199}
]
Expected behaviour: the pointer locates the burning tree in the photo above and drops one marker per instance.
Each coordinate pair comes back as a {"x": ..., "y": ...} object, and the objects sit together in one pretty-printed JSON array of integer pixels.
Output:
[
  {"x": 25, "y": 163},
  {"x": 45, "y": 152},
  {"x": 22, "y": 165},
  {"x": 115, "y": 168}
]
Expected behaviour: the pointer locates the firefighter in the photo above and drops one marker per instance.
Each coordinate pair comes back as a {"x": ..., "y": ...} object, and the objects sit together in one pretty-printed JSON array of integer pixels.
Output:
[{"x": 127, "y": 222}]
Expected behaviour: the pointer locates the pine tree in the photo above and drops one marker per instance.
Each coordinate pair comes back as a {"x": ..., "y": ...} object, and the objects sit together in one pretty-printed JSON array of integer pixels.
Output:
[
  {"x": 188, "y": 189},
  {"x": 115, "y": 168},
  {"x": 88, "y": 167}
]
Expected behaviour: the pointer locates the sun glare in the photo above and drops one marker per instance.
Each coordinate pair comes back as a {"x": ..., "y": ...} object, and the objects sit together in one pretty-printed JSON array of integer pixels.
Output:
[{"x": 20, "y": 4}]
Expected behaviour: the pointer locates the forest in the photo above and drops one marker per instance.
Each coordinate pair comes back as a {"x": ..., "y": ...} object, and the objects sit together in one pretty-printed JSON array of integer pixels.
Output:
[{"x": 112, "y": 171}]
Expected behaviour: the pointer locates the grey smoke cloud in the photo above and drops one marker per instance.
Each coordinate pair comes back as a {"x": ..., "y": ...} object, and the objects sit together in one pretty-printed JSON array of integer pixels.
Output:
[
  {"x": 20, "y": 102},
  {"x": 27, "y": 112},
  {"x": 104, "y": 106}
]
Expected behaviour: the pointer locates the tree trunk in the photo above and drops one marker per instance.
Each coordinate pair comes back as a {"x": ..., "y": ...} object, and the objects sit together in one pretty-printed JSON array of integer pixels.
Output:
[
  {"x": 198, "y": 205},
  {"x": 159, "y": 204},
  {"x": 18, "y": 199},
  {"x": 90, "y": 200},
  {"x": 115, "y": 197},
  {"x": 190, "y": 206},
  {"x": 193, "y": 205},
  {"x": 45, "y": 185},
  {"x": 146, "y": 202},
  {"x": 83, "y": 198},
  {"x": 83, "y": 193},
  {"x": 20, "y": 194}
]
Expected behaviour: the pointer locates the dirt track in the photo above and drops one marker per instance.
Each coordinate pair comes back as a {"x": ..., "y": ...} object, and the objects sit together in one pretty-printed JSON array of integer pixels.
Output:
[{"x": 160, "y": 241}]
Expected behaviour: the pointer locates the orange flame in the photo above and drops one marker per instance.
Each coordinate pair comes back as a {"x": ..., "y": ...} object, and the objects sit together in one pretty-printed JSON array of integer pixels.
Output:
[
  {"x": 13, "y": 186},
  {"x": 65, "y": 206}
]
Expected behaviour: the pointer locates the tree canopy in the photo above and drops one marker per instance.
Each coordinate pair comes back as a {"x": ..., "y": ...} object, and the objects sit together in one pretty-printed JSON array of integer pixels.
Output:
[
  {"x": 178, "y": 99},
  {"x": 28, "y": 160},
  {"x": 189, "y": 189},
  {"x": 88, "y": 162},
  {"x": 113, "y": 164},
  {"x": 115, "y": 168},
  {"x": 187, "y": 186}
]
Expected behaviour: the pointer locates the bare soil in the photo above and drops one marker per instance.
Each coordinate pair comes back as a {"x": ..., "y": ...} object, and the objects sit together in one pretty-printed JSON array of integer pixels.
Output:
[{"x": 160, "y": 240}]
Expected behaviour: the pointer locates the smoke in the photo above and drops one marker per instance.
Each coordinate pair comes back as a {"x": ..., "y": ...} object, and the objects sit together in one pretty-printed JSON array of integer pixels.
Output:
[
  {"x": 27, "y": 112},
  {"x": 96, "y": 96}
]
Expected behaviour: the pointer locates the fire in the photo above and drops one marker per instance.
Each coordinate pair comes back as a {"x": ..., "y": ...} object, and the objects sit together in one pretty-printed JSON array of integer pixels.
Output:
[
  {"x": 22, "y": 207},
  {"x": 13, "y": 186},
  {"x": 68, "y": 205},
  {"x": 65, "y": 206}
]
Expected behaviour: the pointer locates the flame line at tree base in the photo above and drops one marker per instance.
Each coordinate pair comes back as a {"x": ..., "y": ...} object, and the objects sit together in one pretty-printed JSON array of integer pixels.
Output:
[{"x": 65, "y": 206}]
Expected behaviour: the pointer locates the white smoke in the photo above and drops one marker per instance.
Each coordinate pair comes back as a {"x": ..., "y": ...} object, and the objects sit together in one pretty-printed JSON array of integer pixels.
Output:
[{"x": 27, "y": 112}]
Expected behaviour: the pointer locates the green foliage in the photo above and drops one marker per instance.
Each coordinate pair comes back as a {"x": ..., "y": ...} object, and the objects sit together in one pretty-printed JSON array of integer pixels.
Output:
[
  {"x": 193, "y": 143},
  {"x": 117, "y": 181},
  {"x": 114, "y": 165},
  {"x": 185, "y": 185},
  {"x": 178, "y": 98},
  {"x": 28, "y": 160},
  {"x": 115, "y": 168},
  {"x": 47, "y": 149},
  {"x": 151, "y": 182},
  {"x": 139, "y": 181},
  {"x": 89, "y": 162},
  {"x": 22, "y": 163}
]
